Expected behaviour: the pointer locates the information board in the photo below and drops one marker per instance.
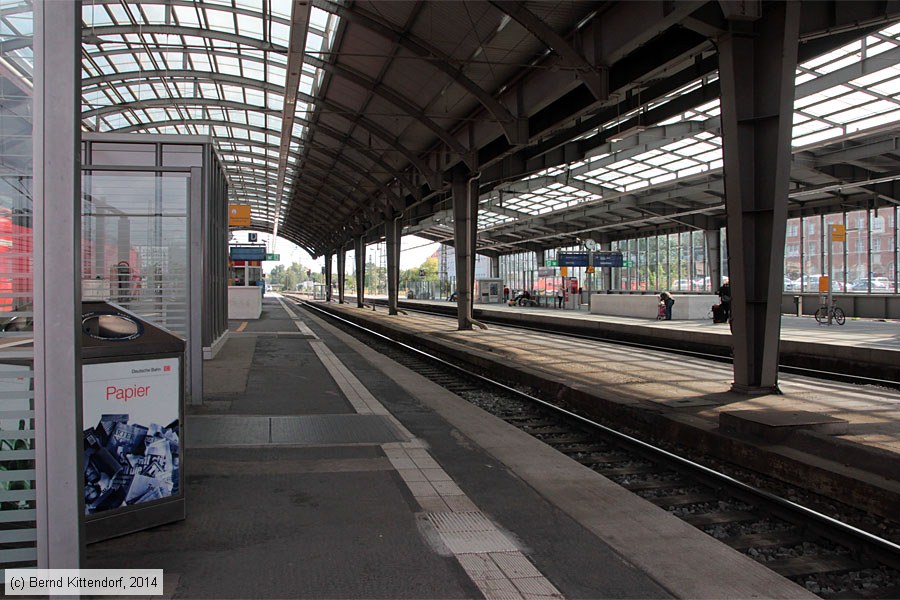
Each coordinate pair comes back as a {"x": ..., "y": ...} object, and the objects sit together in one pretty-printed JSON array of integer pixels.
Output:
[
  {"x": 247, "y": 252},
  {"x": 608, "y": 259},
  {"x": 573, "y": 259}
]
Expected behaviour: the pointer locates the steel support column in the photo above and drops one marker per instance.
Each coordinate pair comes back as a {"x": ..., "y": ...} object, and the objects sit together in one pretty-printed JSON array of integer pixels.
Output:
[
  {"x": 714, "y": 257},
  {"x": 392, "y": 228},
  {"x": 341, "y": 272},
  {"x": 495, "y": 266},
  {"x": 58, "y": 426},
  {"x": 359, "y": 243},
  {"x": 757, "y": 62},
  {"x": 465, "y": 215},
  {"x": 328, "y": 277},
  {"x": 605, "y": 272}
]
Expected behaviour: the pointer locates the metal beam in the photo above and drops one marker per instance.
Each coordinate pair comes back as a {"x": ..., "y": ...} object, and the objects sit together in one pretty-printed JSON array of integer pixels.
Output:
[
  {"x": 300, "y": 10},
  {"x": 596, "y": 79},
  {"x": 757, "y": 66}
]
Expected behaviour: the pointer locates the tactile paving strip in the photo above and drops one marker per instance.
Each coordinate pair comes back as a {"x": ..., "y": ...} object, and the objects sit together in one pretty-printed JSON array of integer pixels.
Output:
[
  {"x": 212, "y": 431},
  {"x": 469, "y": 532}
]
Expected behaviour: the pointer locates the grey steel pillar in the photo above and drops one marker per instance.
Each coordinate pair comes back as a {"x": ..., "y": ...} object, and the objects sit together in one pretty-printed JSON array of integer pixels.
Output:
[
  {"x": 757, "y": 65},
  {"x": 714, "y": 257},
  {"x": 495, "y": 267},
  {"x": 540, "y": 257},
  {"x": 606, "y": 272},
  {"x": 59, "y": 472},
  {"x": 392, "y": 228},
  {"x": 328, "y": 277},
  {"x": 341, "y": 272},
  {"x": 359, "y": 243},
  {"x": 465, "y": 215}
]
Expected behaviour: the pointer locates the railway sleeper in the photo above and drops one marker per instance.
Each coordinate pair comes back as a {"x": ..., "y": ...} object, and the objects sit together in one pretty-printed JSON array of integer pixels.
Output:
[
  {"x": 619, "y": 471},
  {"x": 719, "y": 518},
  {"x": 682, "y": 499},
  {"x": 600, "y": 459},
  {"x": 558, "y": 439},
  {"x": 585, "y": 449},
  {"x": 767, "y": 539},
  {"x": 801, "y": 566},
  {"x": 654, "y": 484}
]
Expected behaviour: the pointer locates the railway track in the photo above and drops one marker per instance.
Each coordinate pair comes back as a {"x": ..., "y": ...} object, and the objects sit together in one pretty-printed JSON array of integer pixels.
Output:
[{"x": 816, "y": 550}]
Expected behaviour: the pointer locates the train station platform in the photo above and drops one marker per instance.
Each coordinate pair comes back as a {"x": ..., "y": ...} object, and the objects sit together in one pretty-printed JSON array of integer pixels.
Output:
[
  {"x": 316, "y": 469},
  {"x": 867, "y": 347},
  {"x": 843, "y": 437}
]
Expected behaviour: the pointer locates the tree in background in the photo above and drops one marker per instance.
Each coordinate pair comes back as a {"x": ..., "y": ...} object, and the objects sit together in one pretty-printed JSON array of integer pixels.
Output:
[{"x": 288, "y": 278}]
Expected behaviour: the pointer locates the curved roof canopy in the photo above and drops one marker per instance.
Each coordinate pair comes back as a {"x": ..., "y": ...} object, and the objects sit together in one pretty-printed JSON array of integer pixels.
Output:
[{"x": 332, "y": 116}]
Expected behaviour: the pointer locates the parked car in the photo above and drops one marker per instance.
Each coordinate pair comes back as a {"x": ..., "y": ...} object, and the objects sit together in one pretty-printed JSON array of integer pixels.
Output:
[{"x": 878, "y": 284}]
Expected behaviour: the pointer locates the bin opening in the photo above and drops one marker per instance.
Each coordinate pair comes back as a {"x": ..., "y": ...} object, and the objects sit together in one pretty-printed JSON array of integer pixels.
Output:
[{"x": 110, "y": 326}]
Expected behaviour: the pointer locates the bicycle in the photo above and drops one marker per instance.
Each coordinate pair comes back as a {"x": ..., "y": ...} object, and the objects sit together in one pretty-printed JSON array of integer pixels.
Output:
[{"x": 835, "y": 313}]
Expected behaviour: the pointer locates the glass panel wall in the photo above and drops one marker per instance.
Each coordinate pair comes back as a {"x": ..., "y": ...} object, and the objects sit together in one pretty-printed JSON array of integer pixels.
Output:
[
  {"x": 17, "y": 445},
  {"x": 866, "y": 263},
  {"x": 135, "y": 244}
]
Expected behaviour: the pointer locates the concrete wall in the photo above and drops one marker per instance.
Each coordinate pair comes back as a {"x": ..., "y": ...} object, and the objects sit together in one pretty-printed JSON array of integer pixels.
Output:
[
  {"x": 244, "y": 302},
  {"x": 874, "y": 306},
  {"x": 694, "y": 306}
]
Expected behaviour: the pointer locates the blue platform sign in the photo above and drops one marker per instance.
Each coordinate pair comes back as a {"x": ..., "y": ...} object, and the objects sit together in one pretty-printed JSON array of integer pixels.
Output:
[
  {"x": 572, "y": 259},
  {"x": 608, "y": 259},
  {"x": 248, "y": 252}
]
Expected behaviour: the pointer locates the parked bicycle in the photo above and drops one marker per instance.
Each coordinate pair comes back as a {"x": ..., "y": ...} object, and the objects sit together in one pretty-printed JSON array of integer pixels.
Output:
[{"x": 826, "y": 314}]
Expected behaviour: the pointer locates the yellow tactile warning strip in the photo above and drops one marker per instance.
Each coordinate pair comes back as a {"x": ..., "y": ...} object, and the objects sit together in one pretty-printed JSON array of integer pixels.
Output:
[{"x": 490, "y": 558}]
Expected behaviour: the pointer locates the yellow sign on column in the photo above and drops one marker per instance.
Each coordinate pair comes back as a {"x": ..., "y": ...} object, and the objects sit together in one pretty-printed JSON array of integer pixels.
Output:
[
  {"x": 564, "y": 271},
  {"x": 838, "y": 233},
  {"x": 823, "y": 283},
  {"x": 239, "y": 215}
]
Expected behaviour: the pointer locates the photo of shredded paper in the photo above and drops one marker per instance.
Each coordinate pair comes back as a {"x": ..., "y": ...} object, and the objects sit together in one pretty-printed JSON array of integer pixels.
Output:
[{"x": 128, "y": 463}]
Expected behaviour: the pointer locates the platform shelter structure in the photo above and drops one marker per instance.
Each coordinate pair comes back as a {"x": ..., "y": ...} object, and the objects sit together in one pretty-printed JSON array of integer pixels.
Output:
[{"x": 341, "y": 125}]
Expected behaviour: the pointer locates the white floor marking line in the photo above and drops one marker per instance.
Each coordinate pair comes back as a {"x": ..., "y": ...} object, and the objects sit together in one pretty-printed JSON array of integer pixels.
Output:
[
  {"x": 298, "y": 322},
  {"x": 492, "y": 561}
]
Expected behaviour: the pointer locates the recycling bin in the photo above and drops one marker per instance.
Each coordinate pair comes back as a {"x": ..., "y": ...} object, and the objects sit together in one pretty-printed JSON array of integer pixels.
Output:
[{"x": 133, "y": 408}]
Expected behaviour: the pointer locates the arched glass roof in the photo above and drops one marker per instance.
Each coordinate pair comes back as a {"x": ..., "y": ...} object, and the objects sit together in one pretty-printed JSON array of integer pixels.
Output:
[{"x": 210, "y": 67}]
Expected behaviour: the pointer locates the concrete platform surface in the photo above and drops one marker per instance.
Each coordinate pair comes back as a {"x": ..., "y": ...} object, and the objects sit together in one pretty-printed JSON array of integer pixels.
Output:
[{"x": 445, "y": 501}]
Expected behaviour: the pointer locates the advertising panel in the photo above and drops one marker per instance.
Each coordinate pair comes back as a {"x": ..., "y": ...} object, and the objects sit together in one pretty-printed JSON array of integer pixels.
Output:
[{"x": 131, "y": 432}]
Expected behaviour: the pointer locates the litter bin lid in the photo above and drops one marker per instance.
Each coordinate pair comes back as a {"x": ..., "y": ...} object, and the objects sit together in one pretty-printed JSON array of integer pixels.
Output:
[{"x": 109, "y": 330}]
